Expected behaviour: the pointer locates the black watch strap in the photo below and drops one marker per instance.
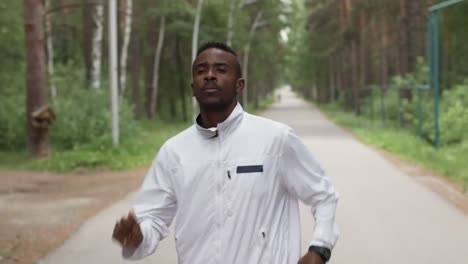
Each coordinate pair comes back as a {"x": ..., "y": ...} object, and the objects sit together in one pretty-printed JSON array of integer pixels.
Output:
[{"x": 323, "y": 252}]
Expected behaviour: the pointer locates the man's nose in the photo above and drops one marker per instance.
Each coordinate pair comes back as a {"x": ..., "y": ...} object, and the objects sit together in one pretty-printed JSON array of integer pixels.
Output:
[{"x": 211, "y": 75}]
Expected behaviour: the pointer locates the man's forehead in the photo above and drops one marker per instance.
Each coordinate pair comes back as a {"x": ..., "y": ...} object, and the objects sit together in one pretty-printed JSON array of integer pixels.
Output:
[{"x": 215, "y": 55}]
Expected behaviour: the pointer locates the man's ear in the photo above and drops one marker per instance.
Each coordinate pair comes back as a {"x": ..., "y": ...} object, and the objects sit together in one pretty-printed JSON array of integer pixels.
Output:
[
  {"x": 240, "y": 85},
  {"x": 193, "y": 92}
]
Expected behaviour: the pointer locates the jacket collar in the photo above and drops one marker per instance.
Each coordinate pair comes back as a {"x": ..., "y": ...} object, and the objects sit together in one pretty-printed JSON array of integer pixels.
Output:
[{"x": 224, "y": 128}]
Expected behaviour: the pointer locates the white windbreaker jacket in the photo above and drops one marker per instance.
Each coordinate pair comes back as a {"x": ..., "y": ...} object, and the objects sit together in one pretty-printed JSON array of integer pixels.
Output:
[{"x": 234, "y": 191}]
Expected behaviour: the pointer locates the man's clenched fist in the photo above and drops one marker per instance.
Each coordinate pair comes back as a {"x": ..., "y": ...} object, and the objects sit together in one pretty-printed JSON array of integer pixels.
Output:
[
  {"x": 311, "y": 258},
  {"x": 127, "y": 231}
]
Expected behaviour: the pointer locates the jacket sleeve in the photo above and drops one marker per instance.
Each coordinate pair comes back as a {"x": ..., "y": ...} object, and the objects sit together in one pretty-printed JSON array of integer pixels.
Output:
[
  {"x": 303, "y": 177},
  {"x": 155, "y": 208}
]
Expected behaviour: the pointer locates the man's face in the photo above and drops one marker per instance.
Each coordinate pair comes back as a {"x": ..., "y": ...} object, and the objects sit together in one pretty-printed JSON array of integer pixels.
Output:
[{"x": 215, "y": 79}]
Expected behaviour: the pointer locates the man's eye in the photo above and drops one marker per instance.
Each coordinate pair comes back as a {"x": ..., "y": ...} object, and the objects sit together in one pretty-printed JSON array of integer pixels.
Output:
[
  {"x": 201, "y": 71},
  {"x": 222, "y": 70}
]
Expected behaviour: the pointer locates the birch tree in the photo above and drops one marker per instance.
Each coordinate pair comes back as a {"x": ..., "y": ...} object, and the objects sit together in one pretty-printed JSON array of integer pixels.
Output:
[
  {"x": 157, "y": 60},
  {"x": 93, "y": 27},
  {"x": 50, "y": 52},
  {"x": 126, "y": 41}
]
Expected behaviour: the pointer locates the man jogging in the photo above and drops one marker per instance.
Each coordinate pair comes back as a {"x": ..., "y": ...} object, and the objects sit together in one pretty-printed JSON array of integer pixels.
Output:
[{"x": 232, "y": 181}]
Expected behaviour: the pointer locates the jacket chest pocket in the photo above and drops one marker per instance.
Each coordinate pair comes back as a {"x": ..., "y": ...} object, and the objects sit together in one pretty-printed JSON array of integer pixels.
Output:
[{"x": 251, "y": 178}]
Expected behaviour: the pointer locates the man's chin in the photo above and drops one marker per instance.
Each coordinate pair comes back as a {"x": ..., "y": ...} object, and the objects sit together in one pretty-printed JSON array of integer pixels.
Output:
[{"x": 212, "y": 105}]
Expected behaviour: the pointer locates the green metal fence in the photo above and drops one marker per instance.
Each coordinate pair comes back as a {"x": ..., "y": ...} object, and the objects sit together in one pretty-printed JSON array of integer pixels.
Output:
[{"x": 433, "y": 54}]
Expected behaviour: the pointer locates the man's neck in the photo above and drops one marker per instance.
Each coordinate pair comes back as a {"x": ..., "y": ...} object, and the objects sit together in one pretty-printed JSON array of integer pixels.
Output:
[{"x": 211, "y": 118}]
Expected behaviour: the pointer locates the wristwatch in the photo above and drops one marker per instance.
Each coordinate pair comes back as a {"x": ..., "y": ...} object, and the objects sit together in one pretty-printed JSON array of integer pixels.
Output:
[{"x": 323, "y": 252}]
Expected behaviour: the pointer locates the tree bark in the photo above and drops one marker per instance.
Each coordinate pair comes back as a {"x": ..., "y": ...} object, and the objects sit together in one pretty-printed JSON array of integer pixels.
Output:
[
  {"x": 404, "y": 42},
  {"x": 245, "y": 61},
  {"x": 230, "y": 25},
  {"x": 93, "y": 28},
  {"x": 149, "y": 65},
  {"x": 36, "y": 90},
  {"x": 157, "y": 60},
  {"x": 126, "y": 42},
  {"x": 416, "y": 32},
  {"x": 136, "y": 59},
  {"x": 182, "y": 87},
  {"x": 96, "y": 44},
  {"x": 87, "y": 25},
  {"x": 50, "y": 53},
  {"x": 383, "y": 52},
  {"x": 331, "y": 76},
  {"x": 196, "y": 29}
]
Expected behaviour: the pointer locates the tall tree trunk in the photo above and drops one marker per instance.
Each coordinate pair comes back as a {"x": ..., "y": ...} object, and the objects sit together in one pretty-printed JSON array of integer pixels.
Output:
[
  {"x": 87, "y": 26},
  {"x": 93, "y": 28},
  {"x": 36, "y": 90},
  {"x": 353, "y": 49},
  {"x": 416, "y": 32},
  {"x": 345, "y": 22},
  {"x": 182, "y": 87},
  {"x": 157, "y": 60},
  {"x": 126, "y": 42},
  {"x": 230, "y": 25},
  {"x": 384, "y": 66},
  {"x": 136, "y": 60},
  {"x": 363, "y": 49},
  {"x": 331, "y": 79},
  {"x": 96, "y": 44},
  {"x": 383, "y": 52},
  {"x": 245, "y": 62},
  {"x": 149, "y": 65},
  {"x": 196, "y": 29},
  {"x": 136, "y": 74},
  {"x": 114, "y": 70},
  {"x": 338, "y": 74},
  {"x": 50, "y": 52},
  {"x": 404, "y": 41}
]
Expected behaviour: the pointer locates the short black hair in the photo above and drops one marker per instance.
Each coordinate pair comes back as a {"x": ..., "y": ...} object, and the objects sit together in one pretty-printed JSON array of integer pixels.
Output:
[{"x": 224, "y": 47}]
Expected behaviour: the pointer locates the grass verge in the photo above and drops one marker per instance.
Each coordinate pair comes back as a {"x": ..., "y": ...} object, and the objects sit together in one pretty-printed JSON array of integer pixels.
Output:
[
  {"x": 131, "y": 153},
  {"x": 449, "y": 161}
]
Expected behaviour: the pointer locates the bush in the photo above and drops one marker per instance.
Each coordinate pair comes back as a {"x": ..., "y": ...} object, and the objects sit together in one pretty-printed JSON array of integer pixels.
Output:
[
  {"x": 12, "y": 122},
  {"x": 12, "y": 110},
  {"x": 83, "y": 116},
  {"x": 454, "y": 115},
  {"x": 453, "y": 118}
]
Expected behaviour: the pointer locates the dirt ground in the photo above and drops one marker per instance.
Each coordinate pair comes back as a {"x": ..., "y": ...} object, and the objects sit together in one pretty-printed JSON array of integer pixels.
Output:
[{"x": 38, "y": 211}]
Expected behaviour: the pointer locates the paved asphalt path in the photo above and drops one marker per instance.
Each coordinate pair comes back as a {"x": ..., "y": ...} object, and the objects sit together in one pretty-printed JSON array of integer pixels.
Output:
[{"x": 384, "y": 215}]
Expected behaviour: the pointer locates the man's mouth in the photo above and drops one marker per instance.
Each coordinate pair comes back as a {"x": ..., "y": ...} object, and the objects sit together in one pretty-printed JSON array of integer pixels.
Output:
[{"x": 211, "y": 88}]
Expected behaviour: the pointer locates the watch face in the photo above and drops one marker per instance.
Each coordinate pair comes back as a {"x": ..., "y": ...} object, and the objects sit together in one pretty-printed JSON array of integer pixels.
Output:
[{"x": 324, "y": 253}]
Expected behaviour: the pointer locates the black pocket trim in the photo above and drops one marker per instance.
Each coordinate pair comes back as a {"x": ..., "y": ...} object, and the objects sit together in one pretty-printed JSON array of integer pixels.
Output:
[{"x": 249, "y": 169}]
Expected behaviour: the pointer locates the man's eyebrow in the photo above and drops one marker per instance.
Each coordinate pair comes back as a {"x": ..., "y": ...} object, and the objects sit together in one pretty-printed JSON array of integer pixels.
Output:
[
  {"x": 201, "y": 64},
  {"x": 205, "y": 64},
  {"x": 222, "y": 64}
]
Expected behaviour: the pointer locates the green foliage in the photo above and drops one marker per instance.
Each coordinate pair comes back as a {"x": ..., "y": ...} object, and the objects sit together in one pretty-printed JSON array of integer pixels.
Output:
[
  {"x": 11, "y": 35},
  {"x": 454, "y": 116},
  {"x": 453, "y": 119},
  {"x": 135, "y": 151},
  {"x": 12, "y": 121},
  {"x": 80, "y": 135},
  {"x": 83, "y": 116}
]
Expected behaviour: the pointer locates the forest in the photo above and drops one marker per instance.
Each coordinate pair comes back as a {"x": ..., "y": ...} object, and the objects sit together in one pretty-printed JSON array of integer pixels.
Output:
[{"x": 363, "y": 62}]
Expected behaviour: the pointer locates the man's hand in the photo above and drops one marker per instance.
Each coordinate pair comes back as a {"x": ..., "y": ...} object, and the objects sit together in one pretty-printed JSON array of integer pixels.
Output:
[
  {"x": 127, "y": 232},
  {"x": 311, "y": 258}
]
